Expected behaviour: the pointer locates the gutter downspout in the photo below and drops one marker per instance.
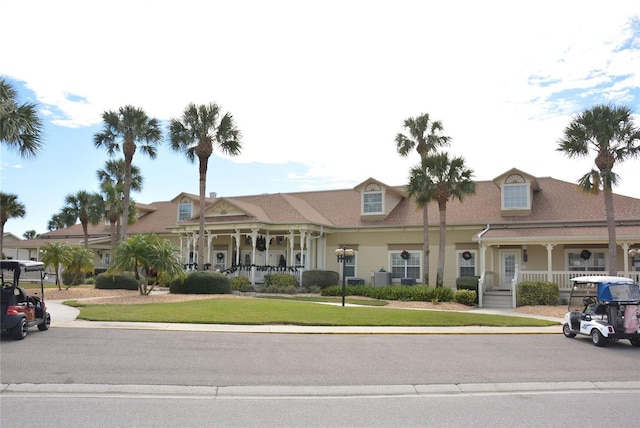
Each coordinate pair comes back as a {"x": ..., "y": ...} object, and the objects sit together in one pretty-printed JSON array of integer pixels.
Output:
[{"x": 482, "y": 264}]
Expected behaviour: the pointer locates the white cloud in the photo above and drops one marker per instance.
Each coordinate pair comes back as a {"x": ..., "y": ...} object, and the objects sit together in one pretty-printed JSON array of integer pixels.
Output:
[{"x": 329, "y": 83}]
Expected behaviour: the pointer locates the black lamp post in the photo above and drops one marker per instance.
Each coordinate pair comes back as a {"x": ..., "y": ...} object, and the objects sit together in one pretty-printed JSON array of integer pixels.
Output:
[{"x": 344, "y": 255}]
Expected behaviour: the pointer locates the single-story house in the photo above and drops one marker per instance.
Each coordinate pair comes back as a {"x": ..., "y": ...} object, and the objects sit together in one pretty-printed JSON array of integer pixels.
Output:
[{"x": 517, "y": 227}]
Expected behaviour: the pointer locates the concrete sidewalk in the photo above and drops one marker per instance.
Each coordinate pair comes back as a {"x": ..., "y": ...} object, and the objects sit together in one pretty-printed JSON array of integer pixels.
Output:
[{"x": 66, "y": 316}]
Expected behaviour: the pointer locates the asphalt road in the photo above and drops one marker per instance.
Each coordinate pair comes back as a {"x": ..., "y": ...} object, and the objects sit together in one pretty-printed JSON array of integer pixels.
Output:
[{"x": 152, "y": 378}]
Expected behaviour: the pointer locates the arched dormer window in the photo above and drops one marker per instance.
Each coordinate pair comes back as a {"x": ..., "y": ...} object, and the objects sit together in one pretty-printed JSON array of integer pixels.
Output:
[
  {"x": 515, "y": 193},
  {"x": 372, "y": 200},
  {"x": 185, "y": 209}
]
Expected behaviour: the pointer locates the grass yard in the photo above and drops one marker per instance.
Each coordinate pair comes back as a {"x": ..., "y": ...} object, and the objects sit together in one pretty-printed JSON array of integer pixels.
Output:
[{"x": 272, "y": 311}]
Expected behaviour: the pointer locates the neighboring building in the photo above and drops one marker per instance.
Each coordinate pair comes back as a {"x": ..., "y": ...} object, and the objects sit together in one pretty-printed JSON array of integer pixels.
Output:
[{"x": 516, "y": 227}]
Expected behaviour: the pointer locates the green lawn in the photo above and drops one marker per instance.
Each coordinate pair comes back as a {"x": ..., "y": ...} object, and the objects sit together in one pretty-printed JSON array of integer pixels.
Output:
[{"x": 270, "y": 311}]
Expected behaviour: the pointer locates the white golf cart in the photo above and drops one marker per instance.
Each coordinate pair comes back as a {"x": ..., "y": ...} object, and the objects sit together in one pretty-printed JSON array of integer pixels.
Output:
[{"x": 607, "y": 308}]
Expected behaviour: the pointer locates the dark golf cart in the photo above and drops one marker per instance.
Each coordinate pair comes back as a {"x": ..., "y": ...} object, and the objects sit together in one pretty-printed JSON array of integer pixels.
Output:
[
  {"x": 607, "y": 308},
  {"x": 20, "y": 311}
]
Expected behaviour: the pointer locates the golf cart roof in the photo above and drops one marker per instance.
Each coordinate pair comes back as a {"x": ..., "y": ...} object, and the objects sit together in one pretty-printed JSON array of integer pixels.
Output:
[
  {"x": 24, "y": 265},
  {"x": 606, "y": 288},
  {"x": 602, "y": 279}
]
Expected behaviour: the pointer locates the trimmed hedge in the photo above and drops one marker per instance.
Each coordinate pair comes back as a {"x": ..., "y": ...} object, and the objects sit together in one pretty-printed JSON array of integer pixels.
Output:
[
  {"x": 465, "y": 297},
  {"x": 280, "y": 279},
  {"x": 125, "y": 281},
  {"x": 532, "y": 293},
  {"x": 319, "y": 278},
  {"x": 467, "y": 283},
  {"x": 394, "y": 292},
  {"x": 241, "y": 283},
  {"x": 202, "y": 283}
]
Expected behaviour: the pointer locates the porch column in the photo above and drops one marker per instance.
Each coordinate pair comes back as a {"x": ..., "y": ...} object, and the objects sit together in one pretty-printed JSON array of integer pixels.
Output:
[
  {"x": 625, "y": 253},
  {"x": 237, "y": 238},
  {"x": 303, "y": 249},
  {"x": 291, "y": 239},
  {"x": 307, "y": 264},
  {"x": 483, "y": 271},
  {"x": 254, "y": 238},
  {"x": 549, "y": 261}
]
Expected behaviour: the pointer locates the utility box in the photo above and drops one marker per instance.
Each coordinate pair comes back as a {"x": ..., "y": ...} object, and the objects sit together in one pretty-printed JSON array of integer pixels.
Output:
[{"x": 382, "y": 278}]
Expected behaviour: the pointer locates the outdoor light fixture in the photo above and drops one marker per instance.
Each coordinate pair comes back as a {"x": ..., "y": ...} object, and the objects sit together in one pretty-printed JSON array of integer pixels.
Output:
[
  {"x": 634, "y": 253},
  {"x": 344, "y": 255}
]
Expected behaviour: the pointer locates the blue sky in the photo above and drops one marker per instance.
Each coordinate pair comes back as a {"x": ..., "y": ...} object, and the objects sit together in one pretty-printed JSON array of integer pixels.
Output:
[{"x": 318, "y": 88}]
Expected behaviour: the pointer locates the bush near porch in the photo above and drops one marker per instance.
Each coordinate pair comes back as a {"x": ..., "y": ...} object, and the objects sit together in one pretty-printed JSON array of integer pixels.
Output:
[
  {"x": 319, "y": 278},
  {"x": 533, "y": 293},
  {"x": 202, "y": 283},
  {"x": 124, "y": 281},
  {"x": 394, "y": 292}
]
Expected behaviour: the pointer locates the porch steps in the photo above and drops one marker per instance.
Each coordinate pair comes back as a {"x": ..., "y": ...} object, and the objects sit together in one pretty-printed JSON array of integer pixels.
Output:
[{"x": 497, "y": 299}]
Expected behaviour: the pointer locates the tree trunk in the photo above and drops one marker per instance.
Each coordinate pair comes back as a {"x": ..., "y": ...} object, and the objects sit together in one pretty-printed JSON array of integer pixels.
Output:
[
  {"x": 611, "y": 230},
  {"x": 129, "y": 149},
  {"x": 203, "y": 184},
  {"x": 442, "y": 242},
  {"x": 425, "y": 243}
]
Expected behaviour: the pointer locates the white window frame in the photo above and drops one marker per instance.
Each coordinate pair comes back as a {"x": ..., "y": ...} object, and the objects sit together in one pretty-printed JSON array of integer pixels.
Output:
[
  {"x": 371, "y": 190},
  {"x": 577, "y": 264},
  {"x": 180, "y": 212},
  {"x": 512, "y": 201},
  {"x": 414, "y": 262},
  {"x": 462, "y": 263}
]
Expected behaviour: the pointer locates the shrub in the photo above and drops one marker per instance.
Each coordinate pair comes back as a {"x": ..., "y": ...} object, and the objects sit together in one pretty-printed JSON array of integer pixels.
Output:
[
  {"x": 241, "y": 283},
  {"x": 280, "y": 279},
  {"x": 531, "y": 293},
  {"x": 467, "y": 283},
  {"x": 90, "y": 281},
  {"x": 67, "y": 277},
  {"x": 394, "y": 292},
  {"x": 465, "y": 297},
  {"x": 279, "y": 289},
  {"x": 125, "y": 281},
  {"x": 319, "y": 278},
  {"x": 202, "y": 283}
]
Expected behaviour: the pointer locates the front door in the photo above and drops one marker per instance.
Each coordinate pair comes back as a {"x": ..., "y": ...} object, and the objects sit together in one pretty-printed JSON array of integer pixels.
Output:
[{"x": 508, "y": 262}]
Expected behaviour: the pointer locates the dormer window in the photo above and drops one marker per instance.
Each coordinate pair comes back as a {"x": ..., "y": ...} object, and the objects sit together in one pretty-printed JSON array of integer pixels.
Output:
[
  {"x": 515, "y": 193},
  {"x": 372, "y": 199},
  {"x": 185, "y": 209}
]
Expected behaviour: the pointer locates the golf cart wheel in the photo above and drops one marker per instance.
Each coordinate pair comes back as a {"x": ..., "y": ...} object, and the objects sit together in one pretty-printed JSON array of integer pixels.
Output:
[
  {"x": 597, "y": 338},
  {"x": 635, "y": 343},
  {"x": 46, "y": 323},
  {"x": 566, "y": 330},
  {"x": 19, "y": 332}
]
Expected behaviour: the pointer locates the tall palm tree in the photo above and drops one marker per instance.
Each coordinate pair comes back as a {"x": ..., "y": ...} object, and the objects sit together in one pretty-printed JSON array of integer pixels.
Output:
[
  {"x": 20, "y": 125},
  {"x": 426, "y": 137},
  {"x": 449, "y": 178},
  {"x": 86, "y": 207},
  {"x": 128, "y": 129},
  {"x": 10, "y": 207},
  {"x": 55, "y": 254},
  {"x": 112, "y": 186},
  {"x": 196, "y": 133},
  {"x": 610, "y": 133}
]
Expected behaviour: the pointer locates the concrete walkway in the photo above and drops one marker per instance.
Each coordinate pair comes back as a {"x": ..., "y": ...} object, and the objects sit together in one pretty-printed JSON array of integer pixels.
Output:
[{"x": 66, "y": 316}]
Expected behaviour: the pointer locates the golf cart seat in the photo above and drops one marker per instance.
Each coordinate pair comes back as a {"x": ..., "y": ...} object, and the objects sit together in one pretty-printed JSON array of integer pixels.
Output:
[
  {"x": 599, "y": 309},
  {"x": 21, "y": 296}
]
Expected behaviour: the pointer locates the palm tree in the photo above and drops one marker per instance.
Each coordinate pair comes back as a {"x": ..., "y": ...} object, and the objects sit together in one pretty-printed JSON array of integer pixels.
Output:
[
  {"x": 30, "y": 234},
  {"x": 20, "y": 125},
  {"x": 128, "y": 129},
  {"x": 54, "y": 255},
  {"x": 10, "y": 207},
  {"x": 426, "y": 137},
  {"x": 86, "y": 207},
  {"x": 145, "y": 252},
  {"x": 60, "y": 221},
  {"x": 80, "y": 261},
  {"x": 609, "y": 132},
  {"x": 112, "y": 185},
  {"x": 195, "y": 134},
  {"x": 449, "y": 178}
]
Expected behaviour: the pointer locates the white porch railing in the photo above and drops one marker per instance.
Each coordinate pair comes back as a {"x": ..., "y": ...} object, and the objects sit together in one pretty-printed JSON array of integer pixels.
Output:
[{"x": 562, "y": 277}]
